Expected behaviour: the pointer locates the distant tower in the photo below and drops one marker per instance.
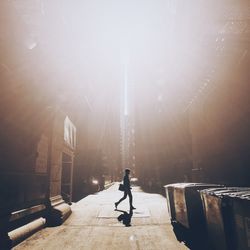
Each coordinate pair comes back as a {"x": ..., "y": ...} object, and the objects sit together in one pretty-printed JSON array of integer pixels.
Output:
[{"x": 127, "y": 123}]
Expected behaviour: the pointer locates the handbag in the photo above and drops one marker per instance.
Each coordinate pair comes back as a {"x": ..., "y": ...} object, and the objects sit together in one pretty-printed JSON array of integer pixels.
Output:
[{"x": 121, "y": 187}]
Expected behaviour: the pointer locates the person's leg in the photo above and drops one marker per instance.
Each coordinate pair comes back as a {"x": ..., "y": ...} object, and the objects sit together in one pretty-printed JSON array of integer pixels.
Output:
[
  {"x": 130, "y": 199},
  {"x": 123, "y": 198}
]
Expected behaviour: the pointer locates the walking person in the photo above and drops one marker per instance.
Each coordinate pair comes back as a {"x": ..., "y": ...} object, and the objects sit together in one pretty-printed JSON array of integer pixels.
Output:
[{"x": 127, "y": 190}]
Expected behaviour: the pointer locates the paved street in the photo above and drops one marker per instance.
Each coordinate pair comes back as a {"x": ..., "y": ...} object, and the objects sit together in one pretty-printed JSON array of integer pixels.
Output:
[{"x": 94, "y": 225}]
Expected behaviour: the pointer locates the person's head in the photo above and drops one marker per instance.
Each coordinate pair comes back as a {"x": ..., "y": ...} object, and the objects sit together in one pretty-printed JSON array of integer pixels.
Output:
[{"x": 127, "y": 171}]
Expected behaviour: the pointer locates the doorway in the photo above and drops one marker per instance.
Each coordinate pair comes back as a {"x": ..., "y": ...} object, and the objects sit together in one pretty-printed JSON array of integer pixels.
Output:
[{"x": 67, "y": 175}]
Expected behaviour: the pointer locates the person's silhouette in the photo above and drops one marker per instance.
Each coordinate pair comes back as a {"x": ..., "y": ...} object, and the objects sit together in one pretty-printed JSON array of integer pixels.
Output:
[
  {"x": 127, "y": 190},
  {"x": 125, "y": 217}
]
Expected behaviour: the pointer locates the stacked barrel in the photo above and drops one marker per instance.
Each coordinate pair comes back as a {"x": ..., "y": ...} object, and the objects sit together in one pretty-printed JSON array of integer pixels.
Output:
[{"x": 210, "y": 216}]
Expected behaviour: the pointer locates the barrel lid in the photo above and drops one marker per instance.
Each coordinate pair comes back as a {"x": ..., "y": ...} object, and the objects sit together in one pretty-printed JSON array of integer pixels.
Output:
[
  {"x": 226, "y": 191},
  {"x": 241, "y": 194},
  {"x": 191, "y": 184}
]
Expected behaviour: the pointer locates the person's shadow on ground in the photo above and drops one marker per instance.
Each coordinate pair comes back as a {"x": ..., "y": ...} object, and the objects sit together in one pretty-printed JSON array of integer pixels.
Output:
[{"x": 125, "y": 217}]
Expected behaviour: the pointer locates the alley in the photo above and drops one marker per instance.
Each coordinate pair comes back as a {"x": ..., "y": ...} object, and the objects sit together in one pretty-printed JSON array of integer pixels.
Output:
[
  {"x": 91, "y": 90},
  {"x": 93, "y": 225}
]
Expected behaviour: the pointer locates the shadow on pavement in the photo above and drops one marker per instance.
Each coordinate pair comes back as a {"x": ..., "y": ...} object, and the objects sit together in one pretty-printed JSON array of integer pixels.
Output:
[{"x": 125, "y": 217}]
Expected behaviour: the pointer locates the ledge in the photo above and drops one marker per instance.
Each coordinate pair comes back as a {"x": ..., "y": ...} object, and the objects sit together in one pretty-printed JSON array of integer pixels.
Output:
[
  {"x": 28, "y": 211},
  {"x": 21, "y": 233},
  {"x": 59, "y": 211}
]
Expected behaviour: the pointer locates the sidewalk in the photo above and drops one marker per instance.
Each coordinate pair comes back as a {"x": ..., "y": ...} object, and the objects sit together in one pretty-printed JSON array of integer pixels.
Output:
[{"x": 93, "y": 225}]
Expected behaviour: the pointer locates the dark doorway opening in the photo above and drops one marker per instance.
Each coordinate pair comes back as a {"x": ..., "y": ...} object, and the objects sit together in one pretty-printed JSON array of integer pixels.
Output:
[{"x": 67, "y": 173}]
